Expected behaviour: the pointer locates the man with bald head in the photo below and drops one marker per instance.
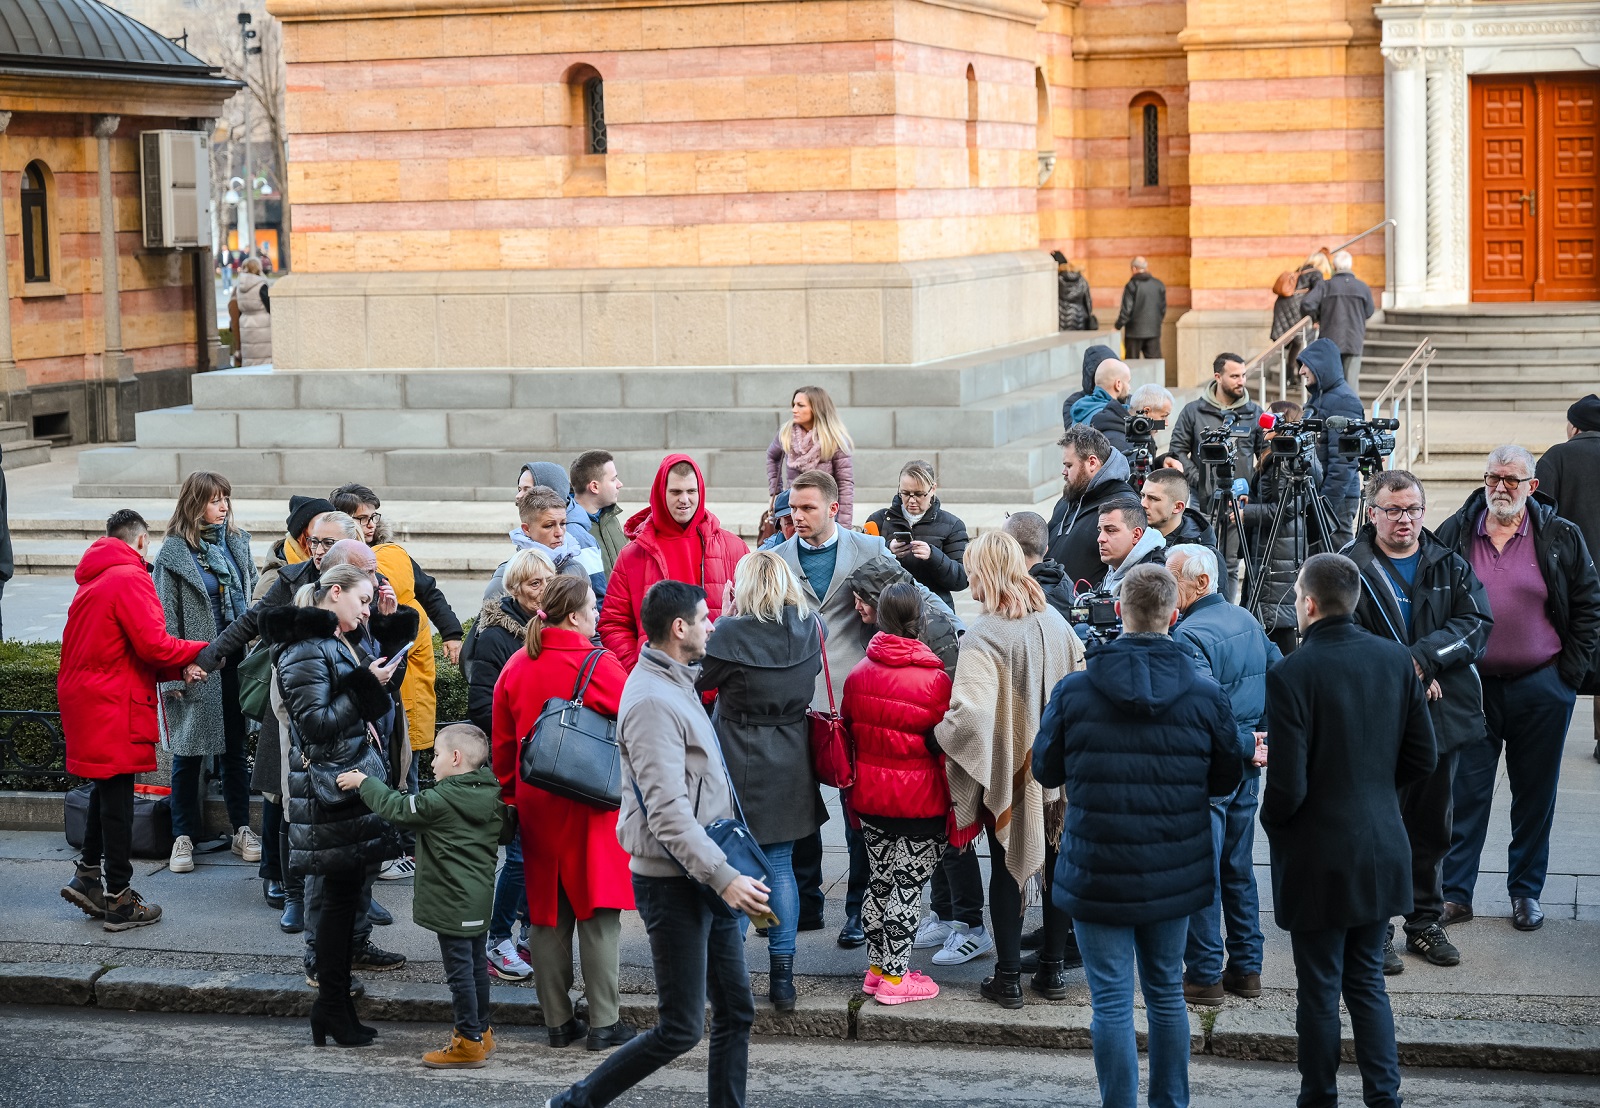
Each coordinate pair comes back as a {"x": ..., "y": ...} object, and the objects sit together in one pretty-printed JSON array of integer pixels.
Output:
[
  {"x": 1144, "y": 307},
  {"x": 1106, "y": 408}
]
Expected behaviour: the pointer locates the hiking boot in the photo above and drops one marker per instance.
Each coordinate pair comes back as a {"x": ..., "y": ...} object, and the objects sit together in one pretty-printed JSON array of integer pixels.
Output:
[
  {"x": 1247, "y": 985},
  {"x": 1203, "y": 996},
  {"x": 461, "y": 1054},
  {"x": 128, "y": 910},
  {"x": 182, "y": 859},
  {"x": 1391, "y": 961},
  {"x": 1431, "y": 943},
  {"x": 86, "y": 891},
  {"x": 373, "y": 957},
  {"x": 246, "y": 845}
]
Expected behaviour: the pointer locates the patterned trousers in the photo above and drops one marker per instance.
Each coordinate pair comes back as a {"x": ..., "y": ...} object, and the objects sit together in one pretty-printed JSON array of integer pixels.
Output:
[{"x": 893, "y": 906}]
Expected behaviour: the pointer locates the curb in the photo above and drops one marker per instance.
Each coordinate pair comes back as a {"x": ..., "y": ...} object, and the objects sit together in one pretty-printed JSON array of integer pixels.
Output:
[
  {"x": 26, "y": 810},
  {"x": 1237, "y": 1034}
]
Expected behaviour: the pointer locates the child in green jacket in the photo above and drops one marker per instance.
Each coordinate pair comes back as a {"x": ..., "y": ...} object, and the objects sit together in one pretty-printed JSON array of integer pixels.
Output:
[{"x": 459, "y": 824}]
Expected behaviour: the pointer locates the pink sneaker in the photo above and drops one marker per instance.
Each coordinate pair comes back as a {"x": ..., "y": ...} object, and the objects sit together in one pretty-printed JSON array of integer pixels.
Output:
[
  {"x": 913, "y": 986},
  {"x": 871, "y": 985}
]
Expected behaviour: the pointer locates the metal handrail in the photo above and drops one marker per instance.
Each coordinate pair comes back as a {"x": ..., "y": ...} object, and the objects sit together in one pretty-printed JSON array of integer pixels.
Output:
[
  {"x": 1402, "y": 388},
  {"x": 1370, "y": 230},
  {"x": 1280, "y": 349}
]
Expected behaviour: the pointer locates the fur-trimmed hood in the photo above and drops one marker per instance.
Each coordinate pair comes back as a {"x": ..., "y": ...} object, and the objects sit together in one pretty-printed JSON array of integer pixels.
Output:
[
  {"x": 506, "y": 614},
  {"x": 289, "y": 623}
]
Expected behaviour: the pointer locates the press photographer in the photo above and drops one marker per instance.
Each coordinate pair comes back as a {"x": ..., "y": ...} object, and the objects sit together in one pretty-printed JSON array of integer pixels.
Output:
[
  {"x": 1329, "y": 395},
  {"x": 1105, "y": 409}
]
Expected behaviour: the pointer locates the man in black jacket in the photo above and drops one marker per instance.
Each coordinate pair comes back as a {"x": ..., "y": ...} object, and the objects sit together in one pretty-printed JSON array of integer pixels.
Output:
[
  {"x": 1144, "y": 307},
  {"x": 1421, "y": 594},
  {"x": 1569, "y": 474},
  {"x": 1032, "y": 534},
  {"x": 1165, "y": 497},
  {"x": 1328, "y": 394},
  {"x": 1092, "y": 358},
  {"x": 1225, "y": 402},
  {"x": 1094, "y": 474},
  {"x": 1340, "y": 865},
  {"x": 1545, "y": 598}
]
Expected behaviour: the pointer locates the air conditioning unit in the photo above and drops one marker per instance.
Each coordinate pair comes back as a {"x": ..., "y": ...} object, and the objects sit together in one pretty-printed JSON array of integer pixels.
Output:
[{"x": 175, "y": 187}]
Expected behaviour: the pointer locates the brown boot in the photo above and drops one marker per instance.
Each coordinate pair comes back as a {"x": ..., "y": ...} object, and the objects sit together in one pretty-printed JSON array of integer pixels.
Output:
[
  {"x": 86, "y": 891},
  {"x": 1206, "y": 996},
  {"x": 488, "y": 1041},
  {"x": 127, "y": 910},
  {"x": 462, "y": 1054}
]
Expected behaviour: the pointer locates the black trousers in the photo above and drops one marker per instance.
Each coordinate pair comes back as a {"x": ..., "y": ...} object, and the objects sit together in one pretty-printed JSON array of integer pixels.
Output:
[
  {"x": 1005, "y": 913},
  {"x": 1142, "y": 348},
  {"x": 957, "y": 895},
  {"x": 341, "y": 897},
  {"x": 108, "y": 833},
  {"x": 1348, "y": 962},
  {"x": 1426, "y": 806},
  {"x": 807, "y": 862}
]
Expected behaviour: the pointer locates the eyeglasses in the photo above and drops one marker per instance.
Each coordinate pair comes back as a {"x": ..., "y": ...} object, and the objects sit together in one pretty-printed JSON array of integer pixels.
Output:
[
  {"x": 1510, "y": 484},
  {"x": 1396, "y": 514},
  {"x": 912, "y": 494},
  {"x": 322, "y": 544},
  {"x": 375, "y": 518}
]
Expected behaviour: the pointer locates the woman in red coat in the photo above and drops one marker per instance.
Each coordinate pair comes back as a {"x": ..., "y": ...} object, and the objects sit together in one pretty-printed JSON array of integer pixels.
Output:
[
  {"x": 892, "y": 701},
  {"x": 576, "y": 873}
]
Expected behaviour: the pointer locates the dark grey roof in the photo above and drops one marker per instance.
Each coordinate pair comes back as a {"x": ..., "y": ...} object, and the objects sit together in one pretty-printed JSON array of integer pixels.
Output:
[{"x": 89, "y": 38}]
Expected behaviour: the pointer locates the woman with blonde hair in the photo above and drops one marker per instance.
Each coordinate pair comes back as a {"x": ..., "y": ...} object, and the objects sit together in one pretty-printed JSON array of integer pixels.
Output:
[
  {"x": 814, "y": 438},
  {"x": 250, "y": 315},
  {"x": 1011, "y": 658},
  {"x": 204, "y": 575},
  {"x": 762, "y": 660}
]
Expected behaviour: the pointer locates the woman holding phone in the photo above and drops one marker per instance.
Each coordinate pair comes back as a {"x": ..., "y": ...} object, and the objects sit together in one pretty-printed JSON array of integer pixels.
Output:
[{"x": 928, "y": 541}]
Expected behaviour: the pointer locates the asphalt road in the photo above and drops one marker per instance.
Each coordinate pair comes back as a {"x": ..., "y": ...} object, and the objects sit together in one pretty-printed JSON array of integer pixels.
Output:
[{"x": 86, "y": 1057}]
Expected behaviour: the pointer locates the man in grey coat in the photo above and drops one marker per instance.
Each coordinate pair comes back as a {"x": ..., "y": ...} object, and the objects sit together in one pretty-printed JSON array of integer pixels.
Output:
[
  {"x": 1144, "y": 308},
  {"x": 1341, "y": 305}
]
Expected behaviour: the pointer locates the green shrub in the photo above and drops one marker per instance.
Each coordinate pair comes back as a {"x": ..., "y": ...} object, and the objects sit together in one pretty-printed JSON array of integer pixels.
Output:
[
  {"x": 449, "y": 685},
  {"x": 28, "y": 683}
]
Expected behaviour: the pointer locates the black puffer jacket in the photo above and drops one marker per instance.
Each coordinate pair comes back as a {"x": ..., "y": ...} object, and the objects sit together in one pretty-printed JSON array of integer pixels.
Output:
[
  {"x": 330, "y": 698},
  {"x": 1282, "y": 562},
  {"x": 1057, "y": 589},
  {"x": 1075, "y": 305},
  {"x": 1332, "y": 396},
  {"x": 496, "y": 634},
  {"x": 942, "y": 572}
]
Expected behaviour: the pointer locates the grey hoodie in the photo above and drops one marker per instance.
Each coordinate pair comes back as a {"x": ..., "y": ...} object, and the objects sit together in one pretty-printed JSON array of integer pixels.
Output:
[
  {"x": 670, "y": 751},
  {"x": 1149, "y": 542}
]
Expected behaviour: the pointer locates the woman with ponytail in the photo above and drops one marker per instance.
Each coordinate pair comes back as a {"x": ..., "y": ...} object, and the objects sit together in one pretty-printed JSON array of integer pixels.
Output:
[{"x": 576, "y": 873}]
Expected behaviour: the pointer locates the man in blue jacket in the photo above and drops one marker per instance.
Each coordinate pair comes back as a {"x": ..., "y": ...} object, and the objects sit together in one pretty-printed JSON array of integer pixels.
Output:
[
  {"x": 1330, "y": 395},
  {"x": 1139, "y": 740},
  {"x": 1229, "y": 647}
]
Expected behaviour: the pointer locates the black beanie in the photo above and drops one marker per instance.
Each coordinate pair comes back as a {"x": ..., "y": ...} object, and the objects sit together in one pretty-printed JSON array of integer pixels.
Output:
[
  {"x": 1585, "y": 414},
  {"x": 304, "y": 509}
]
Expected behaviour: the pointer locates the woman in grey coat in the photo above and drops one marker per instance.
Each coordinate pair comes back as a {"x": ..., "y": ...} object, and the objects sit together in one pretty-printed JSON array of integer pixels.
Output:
[
  {"x": 204, "y": 576},
  {"x": 762, "y": 660}
]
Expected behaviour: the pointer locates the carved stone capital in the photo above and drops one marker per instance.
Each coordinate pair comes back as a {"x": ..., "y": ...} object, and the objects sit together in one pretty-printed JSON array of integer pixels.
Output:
[
  {"x": 1402, "y": 57},
  {"x": 5, "y": 121},
  {"x": 106, "y": 125}
]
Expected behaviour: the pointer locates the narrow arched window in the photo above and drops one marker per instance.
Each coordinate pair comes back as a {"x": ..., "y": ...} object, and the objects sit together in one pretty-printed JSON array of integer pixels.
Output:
[
  {"x": 35, "y": 223},
  {"x": 594, "y": 116},
  {"x": 1152, "y": 146}
]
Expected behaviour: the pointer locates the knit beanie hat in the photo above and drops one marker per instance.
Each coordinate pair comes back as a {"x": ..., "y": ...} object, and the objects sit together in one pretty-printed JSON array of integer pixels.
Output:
[
  {"x": 1585, "y": 414},
  {"x": 304, "y": 509}
]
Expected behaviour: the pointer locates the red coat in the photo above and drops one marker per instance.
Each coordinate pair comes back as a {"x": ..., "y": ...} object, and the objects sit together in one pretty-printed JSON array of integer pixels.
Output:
[
  {"x": 892, "y": 699},
  {"x": 701, "y": 553},
  {"x": 113, "y": 651},
  {"x": 562, "y": 840}
]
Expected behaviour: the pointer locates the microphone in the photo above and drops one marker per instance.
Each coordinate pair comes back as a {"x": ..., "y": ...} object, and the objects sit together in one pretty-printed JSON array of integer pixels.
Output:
[
  {"x": 1267, "y": 421},
  {"x": 1241, "y": 487},
  {"x": 1337, "y": 425}
]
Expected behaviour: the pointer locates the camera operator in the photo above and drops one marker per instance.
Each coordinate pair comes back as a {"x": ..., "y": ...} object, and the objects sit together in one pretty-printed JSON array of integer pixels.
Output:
[
  {"x": 1125, "y": 540},
  {"x": 1155, "y": 403},
  {"x": 1229, "y": 647},
  {"x": 1329, "y": 395},
  {"x": 1424, "y": 596},
  {"x": 1094, "y": 474},
  {"x": 1165, "y": 497},
  {"x": 1105, "y": 409},
  {"x": 1227, "y": 396}
]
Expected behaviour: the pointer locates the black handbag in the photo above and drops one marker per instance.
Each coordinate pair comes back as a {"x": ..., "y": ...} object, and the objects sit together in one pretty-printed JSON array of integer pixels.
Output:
[
  {"x": 152, "y": 819},
  {"x": 324, "y": 777},
  {"x": 572, "y": 750}
]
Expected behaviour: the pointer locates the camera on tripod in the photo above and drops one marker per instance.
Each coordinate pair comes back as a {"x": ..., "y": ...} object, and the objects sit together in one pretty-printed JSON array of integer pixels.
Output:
[
  {"x": 1294, "y": 444},
  {"x": 1140, "y": 429},
  {"x": 1368, "y": 441},
  {"x": 1094, "y": 617},
  {"x": 1141, "y": 447}
]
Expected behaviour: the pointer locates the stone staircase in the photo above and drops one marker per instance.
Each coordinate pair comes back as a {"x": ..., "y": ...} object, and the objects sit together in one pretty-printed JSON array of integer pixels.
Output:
[
  {"x": 1491, "y": 357},
  {"x": 19, "y": 448},
  {"x": 988, "y": 422}
]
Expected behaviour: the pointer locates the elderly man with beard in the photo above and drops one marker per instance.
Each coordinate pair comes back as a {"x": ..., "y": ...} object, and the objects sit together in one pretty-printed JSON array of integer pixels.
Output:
[{"x": 1545, "y": 598}]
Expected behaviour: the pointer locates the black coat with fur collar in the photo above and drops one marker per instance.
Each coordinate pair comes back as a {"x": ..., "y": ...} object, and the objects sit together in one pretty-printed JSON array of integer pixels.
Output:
[{"x": 330, "y": 698}]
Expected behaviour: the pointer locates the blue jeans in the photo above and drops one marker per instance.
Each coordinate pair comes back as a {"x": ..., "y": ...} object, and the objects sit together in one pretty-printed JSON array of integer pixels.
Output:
[
  {"x": 1109, "y": 953},
  {"x": 695, "y": 953},
  {"x": 1233, "y": 834},
  {"x": 1327, "y": 963},
  {"x": 1528, "y": 717},
  {"x": 808, "y": 873},
  {"x": 785, "y": 899},
  {"x": 510, "y": 894},
  {"x": 187, "y": 817}
]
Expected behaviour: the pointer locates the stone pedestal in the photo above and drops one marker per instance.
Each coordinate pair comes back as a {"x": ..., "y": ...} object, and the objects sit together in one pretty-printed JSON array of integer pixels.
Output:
[{"x": 1202, "y": 335}]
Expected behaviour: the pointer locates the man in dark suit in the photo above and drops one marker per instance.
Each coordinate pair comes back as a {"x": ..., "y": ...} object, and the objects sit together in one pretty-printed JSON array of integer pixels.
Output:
[{"x": 1341, "y": 865}]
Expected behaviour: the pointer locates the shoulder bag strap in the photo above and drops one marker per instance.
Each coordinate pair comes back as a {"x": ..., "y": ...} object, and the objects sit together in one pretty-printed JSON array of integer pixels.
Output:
[
  {"x": 586, "y": 674},
  {"x": 827, "y": 676}
]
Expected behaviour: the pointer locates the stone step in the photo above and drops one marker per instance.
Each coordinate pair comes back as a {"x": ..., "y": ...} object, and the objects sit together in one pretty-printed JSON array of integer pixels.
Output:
[
  {"x": 1498, "y": 317},
  {"x": 14, "y": 431},
  {"x": 1580, "y": 351},
  {"x": 16, "y": 453}
]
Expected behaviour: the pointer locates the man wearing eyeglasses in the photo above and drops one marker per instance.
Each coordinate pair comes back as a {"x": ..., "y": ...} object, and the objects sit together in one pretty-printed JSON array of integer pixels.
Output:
[
  {"x": 1418, "y": 592},
  {"x": 1545, "y": 597}
]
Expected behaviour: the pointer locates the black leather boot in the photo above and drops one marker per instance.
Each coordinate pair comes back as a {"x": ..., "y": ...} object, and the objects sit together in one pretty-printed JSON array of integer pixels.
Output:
[
  {"x": 780, "y": 986},
  {"x": 1004, "y": 988},
  {"x": 1051, "y": 980}
]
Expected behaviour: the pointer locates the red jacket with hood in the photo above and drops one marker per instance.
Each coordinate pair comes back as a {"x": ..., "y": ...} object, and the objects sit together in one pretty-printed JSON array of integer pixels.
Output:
[
  {"x": 892, "y": 701},
  {"x": 659, "y": 549},
  {"x": 113, "y": 651}
]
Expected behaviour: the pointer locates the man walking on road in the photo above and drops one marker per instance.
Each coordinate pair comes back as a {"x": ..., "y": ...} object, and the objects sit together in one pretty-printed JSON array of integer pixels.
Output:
[
  {"x": 1144, "y": 307},
  {"x": 1545, "y": 598},
  {"x": 1340, "y": 865},
  {"x": 1421, "y": 594}
]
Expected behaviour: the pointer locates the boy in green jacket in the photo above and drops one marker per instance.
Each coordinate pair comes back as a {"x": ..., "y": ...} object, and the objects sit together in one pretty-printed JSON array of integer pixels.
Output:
[{"x": 459, "y": 824}]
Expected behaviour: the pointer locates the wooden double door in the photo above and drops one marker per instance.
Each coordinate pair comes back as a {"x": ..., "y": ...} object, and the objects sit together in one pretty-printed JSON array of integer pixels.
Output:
[{"x": 1535, "y": 182}]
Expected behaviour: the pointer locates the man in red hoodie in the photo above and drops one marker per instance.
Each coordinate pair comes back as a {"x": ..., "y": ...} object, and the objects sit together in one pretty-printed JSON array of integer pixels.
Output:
[
  {"x": 674, "y": 539},
  {"x": 113, "y": 652}
]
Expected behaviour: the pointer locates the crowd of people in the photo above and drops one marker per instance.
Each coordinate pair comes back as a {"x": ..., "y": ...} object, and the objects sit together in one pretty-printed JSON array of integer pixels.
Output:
[{"x": 1116, "y": 761}]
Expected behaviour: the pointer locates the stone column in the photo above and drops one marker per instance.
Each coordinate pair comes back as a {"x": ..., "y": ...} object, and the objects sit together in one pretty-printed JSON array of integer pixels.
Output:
[
  {"x": 1406, "y": 171},
  {"x": 12, "y": 378},
  {"x": 116, "y": 368},
  {"x": 1444, "y": 166}
]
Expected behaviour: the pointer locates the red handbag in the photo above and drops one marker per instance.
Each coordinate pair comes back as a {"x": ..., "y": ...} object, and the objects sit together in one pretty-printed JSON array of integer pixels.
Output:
[{"x": 831, "y": 756}]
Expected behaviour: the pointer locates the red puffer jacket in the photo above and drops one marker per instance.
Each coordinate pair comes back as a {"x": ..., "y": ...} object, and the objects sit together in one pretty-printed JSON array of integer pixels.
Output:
[
  {"x": 113, "y": 651},
  {"x": 892, "y": 699}
]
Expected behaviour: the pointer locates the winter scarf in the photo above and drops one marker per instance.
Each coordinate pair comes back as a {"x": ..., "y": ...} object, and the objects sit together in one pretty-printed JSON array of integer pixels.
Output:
[
  {"x": 804, "y": 453},
  {"x": 213, "y": 554}
]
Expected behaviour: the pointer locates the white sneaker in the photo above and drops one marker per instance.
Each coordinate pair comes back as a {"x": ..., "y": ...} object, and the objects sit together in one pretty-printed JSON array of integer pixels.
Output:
[
  {"x": 397, "y": 868},
  {"x": 965, "y": 944},
  {"x": 506, "y": 964},
  {"x": 182, "y": 860},
  {"x": 246, "y": 845},
  {"x": 932, "y": 932}
]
